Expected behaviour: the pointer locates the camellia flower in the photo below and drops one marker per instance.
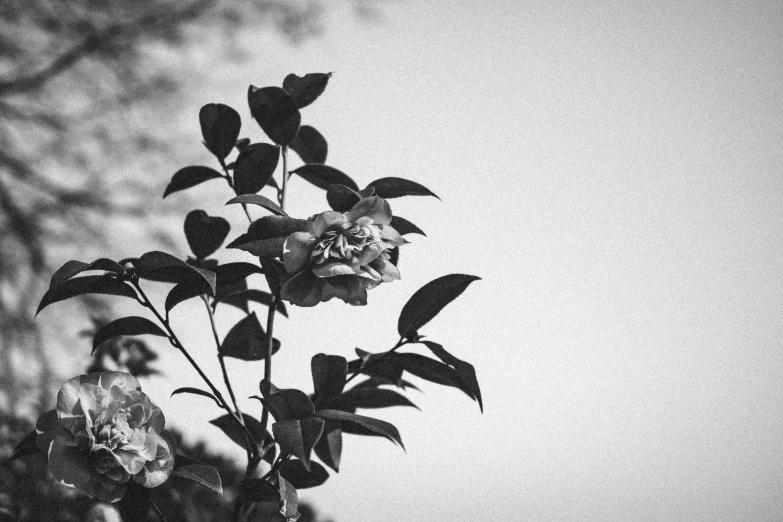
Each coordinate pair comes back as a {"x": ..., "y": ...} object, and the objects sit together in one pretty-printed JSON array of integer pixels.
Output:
[
  {"x": 343, "y": 254},
  {"x": 103, "y": 433}
]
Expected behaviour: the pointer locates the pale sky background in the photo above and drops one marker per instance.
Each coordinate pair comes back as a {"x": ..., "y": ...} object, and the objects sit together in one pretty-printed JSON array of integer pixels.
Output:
[{"x": 614, "y": 173}]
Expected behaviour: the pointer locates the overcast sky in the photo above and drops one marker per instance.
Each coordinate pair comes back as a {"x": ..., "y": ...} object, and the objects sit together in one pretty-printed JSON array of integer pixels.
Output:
[{"x": 612, "y": 171}]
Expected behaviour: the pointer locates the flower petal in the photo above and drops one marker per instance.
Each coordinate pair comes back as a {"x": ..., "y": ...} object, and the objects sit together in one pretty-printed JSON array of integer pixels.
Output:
[
  {"x": 124, "y": 381},
  {"x": 68, "y": 464},
  {"x": 337, "y": 268},
  {"x": 327, "y": 220},
  {"x": 369, "y": 253},
  {"x": 390, "y": 235},
  {"x": 110, "y": 492},
  {"x": 157, "y": 471},
  {"x": 296, "y": 251},
  {"x": 303, "y": 289},
  {"x": 376, "y": 208},
  {"x": 388, "y": 271}
]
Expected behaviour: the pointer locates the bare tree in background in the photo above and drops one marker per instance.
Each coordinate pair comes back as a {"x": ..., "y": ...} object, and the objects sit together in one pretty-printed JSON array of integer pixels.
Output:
[{"x": 80, "y": 80}]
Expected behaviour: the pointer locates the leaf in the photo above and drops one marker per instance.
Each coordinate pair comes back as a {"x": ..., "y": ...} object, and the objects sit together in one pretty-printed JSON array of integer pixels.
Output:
[
  {"x": 247, "y": 340},
  {"x": 72, "y": 268},
  {"x": 91, "y": 284},
  {"x": 431, "y": 370},
  {"x": 135, "y": 505},
  {"x": 288, "y": 403},
  {"x": 160, "y": 266},
  {"x": 403, "y": 226},
  {"x": 429, "y": 300},
  {"x": 370, "y": 398},
  {"x": 182, "y": 292},
  {"x": 306, "y": 89},
  {"x": 329, "y": 374},
  {"x": 205, "y": 233},
  {"x": 190, "y": 177},
  {"x": 269, "y": 227},
  {"x": 261, "y": 201},
  {"x": 289, "y": 500},
  {"x": 196, "y": 391},
  {"x": 329, "y": 447},
  {"x": 220, "y": 126},
  {"x": 196, "y": 471},
  {"x": 310, "y": 145},
  {"x": 241, "y": 298},
  {"x": 133, "y": 325},
  {"x": 298, "y": 436},
  {"x": 276, "y": 113},
  {"x": 388, "y": 188},
  {"x": 27, "y": 446},
  {"x": 254, "y": 166},
  {"x": 341, "y": 198},
  {"x": 231, "y": 427},
  {"x": 375, "y": 425},
  {"x": 464, "y": 369},
  {"x": 258, "y": 490},
  {"x": 264, "y": 247},
  {"x": 323, "y": 175},
  {"x": 300, "y": 477}
]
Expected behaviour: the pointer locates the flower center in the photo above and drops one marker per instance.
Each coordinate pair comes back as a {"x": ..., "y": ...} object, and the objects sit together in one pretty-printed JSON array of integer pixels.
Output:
[{"x": 344, "y": 243}]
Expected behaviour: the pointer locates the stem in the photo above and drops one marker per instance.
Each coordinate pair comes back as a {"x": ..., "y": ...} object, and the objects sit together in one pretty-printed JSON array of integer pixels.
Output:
[
  {"x": 284, "y": 151},
  {"x": 160, "y": 514}
]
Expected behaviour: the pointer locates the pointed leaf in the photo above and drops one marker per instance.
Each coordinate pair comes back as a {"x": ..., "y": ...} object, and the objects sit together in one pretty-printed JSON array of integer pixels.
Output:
[
  {"x": 388, "y": 188},
  {"x": 196, "y": 471},
  {"x": 261, "y": 201},
  {"x": 254, "y": 166},
  {"x": 190, "y": 177},
  {"x": 464, "y": 369},
  {"x": 403, "y": 226},
  {"x": 341, "y": 198},
  {"x": 288, "y": 403},
  {"x": 323, "y": 175},
  {"x": 370, "y": 398},
  {"x": 431, "y": 370},
  {"x": 306, "y": 89},
  {"x": 247, "y": 340},
  {"x": 72, "y": 268},
  {"x": 263, "y": 248},
  {"x": 429, "y": 300},
  {"x": 298, "y": 436},
  {"x": 160, "y": 266},
  {"x": 329, "y": 447},
  {"x": 231, "y": 427},
  {"x": 310, "y": 145},
  {"x": 182, "y": 292},
  {"x": 276, "y": 113},
  {"x": 375, "y": 425},
  {"x": 205, "y": 233},
  {"x": 298, "y": 475},
  {"x": 135, "y": 505},
  {"x": 26, "y": 447},
  {"x": 270, "y": 227},
  {"x": 258, "y": 490},
  {"x": 196, "y": 391},
  {"x": 91, "y": 284},
  {"x": 329, "y": 374},
  {"x": 220, "y": 126},
  {"x": 133, "y": 325}
]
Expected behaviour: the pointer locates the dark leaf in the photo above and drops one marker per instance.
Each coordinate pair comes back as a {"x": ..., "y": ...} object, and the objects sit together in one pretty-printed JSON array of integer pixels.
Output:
[
  {"x": 289, "y": 500},
  {"x": 261, "y": 201},
  {"x": 394, "y": 256},
  {"x": 298, "y": 436},
  {"x": 378, "y": 366},
  {"x": 196, "y": 471},
  {"x": 205, "y": 233},
  {"x": 375, "y": 425},
  {"x": 258, "y": 490},
  {"x": 329, "y": 374},
  {"x": 231, "y": 427},
  {"x": 196, "y": 391},
  {"x": 254, "y": 166},
  {"x": 341, "y": 198},
  {"x": 464, "y": 369},
  {"x": 288, "y": 403},
  {"x": 240, "y": 300},
  {"x": 91, "y": 284},
  {"x": 190, "y": 177},
  {"x": 220, "y": 126},
  {"x": 269, "y": 227},
  {"x": 306, "y": 89},
  {"x": 433, "y": 371},
  {"x": 387, "y": 188},
  {"x": 300, "y": 477},
  {"x": 310, "y": 145},
  {"x": 274, "y": 271},
  {"x": 26, "y": 447},
  {"x": 275, "y": 112},
  {"x": 182, "y": 292},
  {"x": 429, "y": 300},
  {"x": 135, "y": 505},
  {"x": 160, "y": 266},
  {"x": 134, "y": 325},
  {"x": 323, "y": 175},
  {"x": 403, "y": 226},
  {"x": 370, "y": 398},
  {"x": 247, "y": 341},
  {"x": 329, "y": 447},
  {"x": 231, "y": 273},
  {"x": 263, "y": 248},
  {"x": 72, "y": 268}
]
